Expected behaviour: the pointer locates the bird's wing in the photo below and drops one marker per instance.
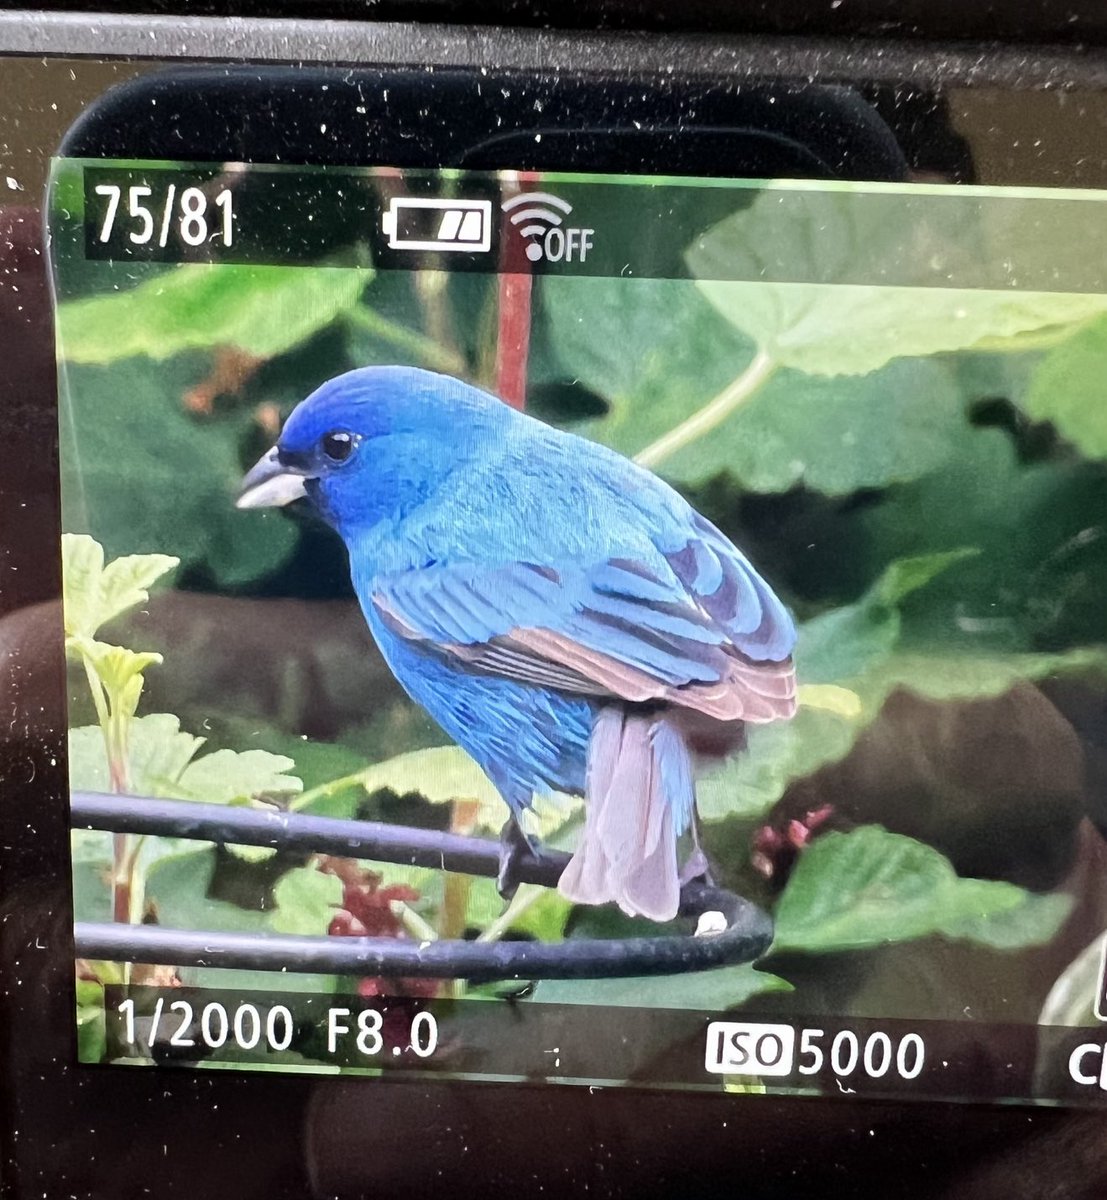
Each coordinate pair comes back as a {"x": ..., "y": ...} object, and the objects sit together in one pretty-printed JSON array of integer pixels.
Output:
[{"x": 696, "y": 627}]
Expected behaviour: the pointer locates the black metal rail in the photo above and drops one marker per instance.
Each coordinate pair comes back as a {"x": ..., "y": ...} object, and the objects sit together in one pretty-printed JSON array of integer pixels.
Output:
[{"x": 747, "y": 934}]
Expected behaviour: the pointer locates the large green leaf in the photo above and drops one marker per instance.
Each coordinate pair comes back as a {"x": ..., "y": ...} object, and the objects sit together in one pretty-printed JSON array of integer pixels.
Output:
[
  {"x": 838, "y": 327},
  {"x": 954, "y": 676},
  {"x": 751, "y": 782},
  {"x": 871, "y": 887},
  {"x": 140, "y": 472},
  {"x": 657, "y": 354},
  {"x": 260, "y": 310},
  {"x": 1040, "y": 572},
  {"x": 833, "y": 330}
]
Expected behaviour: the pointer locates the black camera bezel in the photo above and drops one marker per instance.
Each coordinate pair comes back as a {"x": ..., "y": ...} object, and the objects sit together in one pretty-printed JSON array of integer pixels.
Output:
[{"x": 103, "y": 1130}]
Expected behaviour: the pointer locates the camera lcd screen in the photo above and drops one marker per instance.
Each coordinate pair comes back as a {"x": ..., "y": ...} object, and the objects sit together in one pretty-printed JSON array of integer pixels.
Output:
[{"x": 586, "y": 629}]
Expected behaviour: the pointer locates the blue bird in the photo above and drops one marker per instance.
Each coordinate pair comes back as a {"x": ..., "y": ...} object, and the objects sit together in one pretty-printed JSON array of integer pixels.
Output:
[{"x": 564, "y": 615}]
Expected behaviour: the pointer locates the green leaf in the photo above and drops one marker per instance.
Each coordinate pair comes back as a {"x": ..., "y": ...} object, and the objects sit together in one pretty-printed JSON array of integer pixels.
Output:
[
  {"x": 544, "y": 918},
  {"x": 832, "y": 330},
  {"x": 1067, "y": 389},
  {"x": 91, "y": 1025},
  {"x": 750, "y": 783},
  {"x": 178, "y": 887},
  {"x": 439, "y": 774},
  {"x": 153, "y": 474},
  {"x": 229, "y": 777},
  {"x": 158, "y": 751},
  {"x": 658, "y": 355},
  {"x": 871, "y": 887},
  {"x": 260, "y": 310},
  {"x": 713, "y": 991},
  {"x": 94, "y": 594},
  {"x": 306, "y": 901},
  {"x": 88, "y": 760},
  {"x": 947, "y": 676},
  {"x": 1040, "y": 574},
  {"x": 92, "y": 899},
  {"x": 120, "y": 670},
  {"x": 1033, "y": 923},
  {"x": 907, "y": 575},
  {"x": 442, "y": 774},
  {"x": 839, "y": 327}
]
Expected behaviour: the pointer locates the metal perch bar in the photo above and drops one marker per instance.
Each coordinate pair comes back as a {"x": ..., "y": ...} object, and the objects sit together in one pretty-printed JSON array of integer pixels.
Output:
[
  {"x": 747, "y": 935},
  {"x": 301, "y": 831}
]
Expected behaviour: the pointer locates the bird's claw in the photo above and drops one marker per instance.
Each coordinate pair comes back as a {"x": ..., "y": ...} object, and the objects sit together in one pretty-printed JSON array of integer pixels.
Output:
[{"x": 516, "y": 849}]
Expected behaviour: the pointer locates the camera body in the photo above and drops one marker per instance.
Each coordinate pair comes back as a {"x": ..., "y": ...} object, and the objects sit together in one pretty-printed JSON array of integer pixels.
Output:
[{"x": 751, "y": 271}]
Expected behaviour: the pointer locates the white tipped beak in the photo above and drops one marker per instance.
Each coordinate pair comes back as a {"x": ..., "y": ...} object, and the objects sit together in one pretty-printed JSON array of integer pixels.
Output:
[{"x": 269, "y": 484}]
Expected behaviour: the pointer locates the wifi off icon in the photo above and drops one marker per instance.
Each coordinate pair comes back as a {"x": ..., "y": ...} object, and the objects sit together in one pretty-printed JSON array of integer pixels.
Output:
[{"x": 539, "y": 218}]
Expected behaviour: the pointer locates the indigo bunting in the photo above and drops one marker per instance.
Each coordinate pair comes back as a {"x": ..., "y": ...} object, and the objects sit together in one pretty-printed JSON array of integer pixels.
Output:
[{"x": 564, "y": 615}]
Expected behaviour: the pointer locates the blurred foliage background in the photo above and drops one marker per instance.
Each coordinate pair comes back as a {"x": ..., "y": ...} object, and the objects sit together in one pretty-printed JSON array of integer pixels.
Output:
[{"x": 917, "y": 471}]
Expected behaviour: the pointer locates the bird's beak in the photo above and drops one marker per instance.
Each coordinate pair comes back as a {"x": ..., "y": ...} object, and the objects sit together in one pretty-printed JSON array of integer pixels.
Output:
[{"x": 270, "y": 483}]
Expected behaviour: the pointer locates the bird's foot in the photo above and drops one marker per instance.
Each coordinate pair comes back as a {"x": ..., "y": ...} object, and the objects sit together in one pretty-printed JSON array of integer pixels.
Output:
[{"x": 516, "y": 850}]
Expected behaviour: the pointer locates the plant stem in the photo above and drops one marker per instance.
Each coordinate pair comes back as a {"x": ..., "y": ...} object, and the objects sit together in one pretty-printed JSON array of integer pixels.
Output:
[
  {"x": 415, "y": 925},
  {"x": 122, "y": 862},
  {"x": 513, "y": 309},
  {"x": 99, "y": 703},
  {"x": 430, "y": 352},
  {"x": 705, "y": 419},
  {"x": 526, "y": 896},
  {"x": 513, "y": 343},
  {"x": 120, "y": 881}
]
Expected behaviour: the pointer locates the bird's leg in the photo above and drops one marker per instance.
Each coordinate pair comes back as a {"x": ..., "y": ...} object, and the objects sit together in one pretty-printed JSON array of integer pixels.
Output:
[
  {"x": 515, "y": 849},
  {"x": 696, "y": 866}
]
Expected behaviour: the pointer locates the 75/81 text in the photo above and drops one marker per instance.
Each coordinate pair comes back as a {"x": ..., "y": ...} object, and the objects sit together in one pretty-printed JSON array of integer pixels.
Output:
[{"x": 138, "y": 215}]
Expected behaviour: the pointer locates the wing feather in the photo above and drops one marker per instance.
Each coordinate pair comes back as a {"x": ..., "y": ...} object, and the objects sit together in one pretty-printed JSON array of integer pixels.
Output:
[{"x": 697, "y": 627}]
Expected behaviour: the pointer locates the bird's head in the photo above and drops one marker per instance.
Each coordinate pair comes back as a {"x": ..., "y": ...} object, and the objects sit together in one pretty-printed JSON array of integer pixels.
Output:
[{"x": 372, "y": 443}]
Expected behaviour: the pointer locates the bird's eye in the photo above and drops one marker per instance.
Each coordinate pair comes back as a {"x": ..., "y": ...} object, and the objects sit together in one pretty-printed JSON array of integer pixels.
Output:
[{"x": 337, "y": 446}]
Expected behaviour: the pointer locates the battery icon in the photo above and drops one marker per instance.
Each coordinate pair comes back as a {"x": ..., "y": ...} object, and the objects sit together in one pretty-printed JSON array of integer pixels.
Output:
[{"x": 416, "y": 223}]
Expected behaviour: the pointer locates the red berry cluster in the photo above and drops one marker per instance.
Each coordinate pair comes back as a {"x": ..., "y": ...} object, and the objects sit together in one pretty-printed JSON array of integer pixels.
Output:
[
  {"x": 367, "y": 912},
  {"x": 776, "y": 847}
]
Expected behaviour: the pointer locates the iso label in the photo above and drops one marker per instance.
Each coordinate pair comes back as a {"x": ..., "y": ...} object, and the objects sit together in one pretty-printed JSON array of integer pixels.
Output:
[{"x": 741, "y": 1048}]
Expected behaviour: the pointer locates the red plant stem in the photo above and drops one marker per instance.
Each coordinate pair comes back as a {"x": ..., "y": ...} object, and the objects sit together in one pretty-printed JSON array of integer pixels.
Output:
[
  {"x": 514, "y": 308},
  {"x": 513, "y": 343},
  {"x": 121, "y": 882}
]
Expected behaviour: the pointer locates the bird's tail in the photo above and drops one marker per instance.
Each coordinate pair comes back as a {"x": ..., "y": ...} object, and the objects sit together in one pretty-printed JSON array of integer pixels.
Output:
[{"x": 638, "y": 800}]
